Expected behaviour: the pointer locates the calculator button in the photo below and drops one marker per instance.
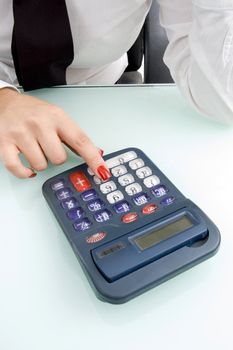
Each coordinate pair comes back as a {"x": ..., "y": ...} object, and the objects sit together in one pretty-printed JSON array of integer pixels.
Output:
[
  {"x": 121, "y": 159},
  {"x": 130, "y": 217},
  {"x": 89, "y": 195},
  {"x": 141, "y": 198},
  {"x": 64, "y": 193},
  {"x": 80, "y": 181},
  {"x": 151, "y": 181},
  {"x": 97, "y": 180},
  {"x": 103, "y": 216},
  {"x": 57, "y": 185},
  {"x": 108, "y": 187},
  {"x": 96, "y": 237},
  {"x": 75, "y": 213},
  {"x": 136, "y": 164},
  {"x": 126, "y": 179},
  {"x": 133, "y": 189},
  {"x": 82, "y": 225},
  {"x": 159, "y": 191},
  {"x": 149, "y": 209},
  {"x": 90, "y": 172},
  {"x": 115, "y": 196},
  {"x": 128, "y": 156},
  {"x": 122, "y": 207},
  {"x": 119, "y": 170},
  {"x": 96, "y": 205},
  {"x": 69, "y": 203},
  {"x": 168, "y": 200},
  {"x": 143, "y": 172},
  {"x": 112, "y": 162}
]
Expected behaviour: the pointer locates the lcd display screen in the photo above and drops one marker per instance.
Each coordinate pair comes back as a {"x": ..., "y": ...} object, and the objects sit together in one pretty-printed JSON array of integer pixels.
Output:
[{"x": 148, "y": 240}]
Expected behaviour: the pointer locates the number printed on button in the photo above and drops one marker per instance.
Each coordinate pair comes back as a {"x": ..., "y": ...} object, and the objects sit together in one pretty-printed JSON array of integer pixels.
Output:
[
  {"x": 133, "y": 189},
  {"x": 126, "y": 179},
  {"x": 115, "y": 197},
  {"x": 119, "y": 170},
  {"x": 136, "y": 164},
  {"x": 144, "y": 172},
  {"x": 108, "y": 187},
  {"x": 151, "y": 181}
]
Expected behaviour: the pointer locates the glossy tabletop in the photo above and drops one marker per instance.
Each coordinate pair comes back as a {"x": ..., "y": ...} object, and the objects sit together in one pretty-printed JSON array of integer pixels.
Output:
[{"x": 45, "y": 300}]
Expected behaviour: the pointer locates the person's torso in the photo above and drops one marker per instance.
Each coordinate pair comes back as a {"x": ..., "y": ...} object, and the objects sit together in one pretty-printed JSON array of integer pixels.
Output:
[{"x": 102, "y": 33}]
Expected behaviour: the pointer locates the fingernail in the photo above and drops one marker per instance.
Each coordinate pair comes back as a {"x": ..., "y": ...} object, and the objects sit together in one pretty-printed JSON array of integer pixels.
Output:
[
  {"x": 103, "y": 172},
  {"x": 33, "y": 175},
  {"x": 101, "y": 152}
]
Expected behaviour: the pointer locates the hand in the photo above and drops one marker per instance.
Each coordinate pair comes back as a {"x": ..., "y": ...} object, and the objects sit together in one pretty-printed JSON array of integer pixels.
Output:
[{"x": 37, "y": 129}]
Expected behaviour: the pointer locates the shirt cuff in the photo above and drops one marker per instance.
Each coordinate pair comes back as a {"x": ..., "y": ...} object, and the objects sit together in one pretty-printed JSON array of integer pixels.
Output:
[
  {"x": 214, "y": 4},
  {"x": 3, "y": 84}
]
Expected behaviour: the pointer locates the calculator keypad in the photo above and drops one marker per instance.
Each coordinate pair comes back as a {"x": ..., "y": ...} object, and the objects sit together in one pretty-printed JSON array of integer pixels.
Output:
[{"x": 133, "y": 185}]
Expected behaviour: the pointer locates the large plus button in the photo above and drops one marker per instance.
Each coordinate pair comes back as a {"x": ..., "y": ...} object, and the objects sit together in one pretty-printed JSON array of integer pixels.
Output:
[{"x": 80, "y": 181}]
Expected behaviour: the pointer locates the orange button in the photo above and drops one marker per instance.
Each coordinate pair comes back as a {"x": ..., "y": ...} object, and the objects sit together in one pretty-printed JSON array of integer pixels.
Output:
[
  {"x": 80, "y": 181},
  {"x": 130, "y": 217},
  {"x": 149, "y": 209}
]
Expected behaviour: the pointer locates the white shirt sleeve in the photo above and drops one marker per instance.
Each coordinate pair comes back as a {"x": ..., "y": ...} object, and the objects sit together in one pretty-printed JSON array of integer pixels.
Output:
[
  {"x": 200, "y": 53},
  {"x": 4, "y": 84}
]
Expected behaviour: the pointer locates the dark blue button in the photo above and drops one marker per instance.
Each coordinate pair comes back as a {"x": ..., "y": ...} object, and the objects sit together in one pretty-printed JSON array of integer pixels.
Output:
[
  {"x": 121, "y": 207},
  {"x": 168, "y": 201},
  {"x": 82, "y": 225},
  {"x": 89, "y": 195},
  {"x": 69, "y": 203},
  {"x": 64, "y": 193},
  {"x": 75, "y": 213},
  {"x": 58, "y": 185},
  {"x": 159, "y": 191},
  {"x": 141, "y": 198},
  {"x": 103, "y": 216},
  {"x": 96, "y": 205}
]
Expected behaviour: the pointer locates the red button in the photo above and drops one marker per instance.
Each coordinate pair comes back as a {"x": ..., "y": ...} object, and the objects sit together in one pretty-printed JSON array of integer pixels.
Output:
[
  {"x": 130, "y": 217},
  {"x": 96, "y": 237},
  {"x": 149, "y": 209},
  {"x": 80, "y": 181}
]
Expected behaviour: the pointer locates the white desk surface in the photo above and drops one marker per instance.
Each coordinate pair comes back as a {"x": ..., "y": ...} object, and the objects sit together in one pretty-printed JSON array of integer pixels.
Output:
[{"x": 45, "y": 300}]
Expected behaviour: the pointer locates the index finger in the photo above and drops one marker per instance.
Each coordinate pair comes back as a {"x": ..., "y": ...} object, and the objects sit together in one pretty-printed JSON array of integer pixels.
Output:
[{"x": 76, "y": 139}]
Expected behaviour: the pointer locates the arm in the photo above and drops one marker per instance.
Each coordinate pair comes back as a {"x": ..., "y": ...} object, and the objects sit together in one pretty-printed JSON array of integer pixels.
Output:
[{"x": 200, "y": 53}]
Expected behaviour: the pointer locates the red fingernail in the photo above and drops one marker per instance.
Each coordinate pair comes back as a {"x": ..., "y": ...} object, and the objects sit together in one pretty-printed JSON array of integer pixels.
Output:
[
  {"x": 33, "y": 175},
  {"x": 101, "y": 152},
  {"x": 103, "y": 172}
]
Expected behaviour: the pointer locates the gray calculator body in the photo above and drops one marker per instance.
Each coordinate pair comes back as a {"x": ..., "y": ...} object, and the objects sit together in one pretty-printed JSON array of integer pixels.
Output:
[{"x": 132, "y": 232}]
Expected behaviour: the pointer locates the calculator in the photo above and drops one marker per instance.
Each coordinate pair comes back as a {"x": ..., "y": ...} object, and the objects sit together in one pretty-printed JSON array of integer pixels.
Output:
[{"x": 133, "y": 231}]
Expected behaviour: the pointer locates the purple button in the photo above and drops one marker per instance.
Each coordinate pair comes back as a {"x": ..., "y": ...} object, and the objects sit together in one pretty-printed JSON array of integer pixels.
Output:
[
  {"x": 121, "y": 207},
  {"x": 159, "y": 191},
  {"x": 82, "y": 225},
  {"x": 96, "y": 205},
  {"x": 168, "y": 201},
  {"x": 64, "y": 193},
  {"x": 141, "y": 198},
  {"x": 57, "y": 185},
  {"x": 69, "y": 203},
  {"x": 89, "y": 195},
  {"x": 75, "y": 213},
  {"x": 103, "y": 216}
]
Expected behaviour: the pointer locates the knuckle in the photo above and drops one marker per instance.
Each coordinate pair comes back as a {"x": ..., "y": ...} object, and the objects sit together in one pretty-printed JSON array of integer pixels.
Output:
[
  {"x": 56, "y": 110},
  {"x": 40, "y": 166},
  {"x": 59, "y": 159},
  {"x": 82, "y": 140}
]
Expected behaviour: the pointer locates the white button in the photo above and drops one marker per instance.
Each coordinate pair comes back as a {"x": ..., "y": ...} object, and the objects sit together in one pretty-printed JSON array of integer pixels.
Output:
[
  {"x": 121, "y": 159},
  {"x": 144, "y": 172},
  {"x": 119, "y": 170},
  {"x": 136, "y": 163},
  {"x": 90, "y": 172},
  {"x": 115, "y": 197},
  {"x": 133, "y": 189},
  {"x": 126, "y": 179},
  {"x": 108, "y": 187},
  {"x": 97, "y": 181},
  {"x": 128, "y": 156},
  {"x": 151, "y": 181}
]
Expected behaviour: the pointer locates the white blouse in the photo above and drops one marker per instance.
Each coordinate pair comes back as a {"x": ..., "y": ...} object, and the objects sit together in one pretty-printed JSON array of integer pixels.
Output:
[{"x": 199, "y": 54}]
